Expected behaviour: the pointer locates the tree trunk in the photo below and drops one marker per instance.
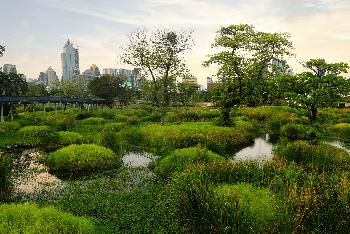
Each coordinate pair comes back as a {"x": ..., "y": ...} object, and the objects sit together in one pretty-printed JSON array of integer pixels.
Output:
[
  {"x": 226, "y": 116},
  {"x": 313, "y": 114}
]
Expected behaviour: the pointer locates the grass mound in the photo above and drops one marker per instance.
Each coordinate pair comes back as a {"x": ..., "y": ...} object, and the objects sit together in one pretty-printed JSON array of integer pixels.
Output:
[
  {"x": 29, "y": 218},
  {"x": 82, "y": 158}
]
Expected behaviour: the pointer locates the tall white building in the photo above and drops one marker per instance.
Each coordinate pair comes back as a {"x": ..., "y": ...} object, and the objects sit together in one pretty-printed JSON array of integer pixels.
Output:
[
  {"x": 51, "y": 76},
  {"x": 70, "y": 61}
]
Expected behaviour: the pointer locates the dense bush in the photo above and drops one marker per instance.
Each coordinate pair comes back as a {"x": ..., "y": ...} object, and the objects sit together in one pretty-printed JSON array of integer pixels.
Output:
[
  {"x": 29, "y": 218},
  {"x": 294, "y": 132},
  {"x": 178, "y": 160},
  {"x": 318, "y": 157},
  {"x": 274, "y": 123},
  {"x": 94, "y": 121},
  {"x": 81, "y": 158},
  {"x": 84, "y": 115},
  {"x": 68, "y": 138},
  {"x": 60, "y": 121},
  {"x": 39, "y": 134},
  {"x": 9, "y": 126}
]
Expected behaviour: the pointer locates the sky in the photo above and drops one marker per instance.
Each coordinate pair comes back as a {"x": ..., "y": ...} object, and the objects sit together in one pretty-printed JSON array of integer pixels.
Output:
[{"x": 35, "y": 31}]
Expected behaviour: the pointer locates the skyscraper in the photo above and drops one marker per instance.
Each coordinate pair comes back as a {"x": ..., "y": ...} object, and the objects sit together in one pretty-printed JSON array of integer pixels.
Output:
[
  {"x": 51, "y": 76},
  {"x": 70, "y": 61}
]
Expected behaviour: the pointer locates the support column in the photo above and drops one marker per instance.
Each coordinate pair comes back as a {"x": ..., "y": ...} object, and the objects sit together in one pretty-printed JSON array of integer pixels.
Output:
[
  {"x": 2, "y": 113},
  {"x": 11, "y": 112}
]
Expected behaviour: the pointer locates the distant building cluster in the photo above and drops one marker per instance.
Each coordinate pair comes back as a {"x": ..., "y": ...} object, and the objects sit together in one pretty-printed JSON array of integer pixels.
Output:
[{"x": 71, "y": 71}]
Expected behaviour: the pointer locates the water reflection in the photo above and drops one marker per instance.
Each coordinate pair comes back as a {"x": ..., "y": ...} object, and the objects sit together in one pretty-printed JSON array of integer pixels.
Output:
[
  {"x": 33, "y": 176},
  {"x": 133, "y": 159},
  {"x": 260, "y": 150}
]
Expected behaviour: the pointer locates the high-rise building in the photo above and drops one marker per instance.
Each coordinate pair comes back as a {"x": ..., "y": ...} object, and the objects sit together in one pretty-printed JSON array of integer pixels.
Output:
[
  {"x": 70, "y": 61},
  {"x": 9, "y": 68},
  {"x": 42, "y": 79},
  {"x": 51, "y": 76},
  {"x": 109, "y": 71},
  {"x": 210, "y": 83}
]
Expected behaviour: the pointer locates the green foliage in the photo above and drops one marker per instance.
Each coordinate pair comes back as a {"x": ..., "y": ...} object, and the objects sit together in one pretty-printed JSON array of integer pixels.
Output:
[
  {"x": 68, "y": 138},
  {"x": 12, "y": 84},
  {"x": 245, "y": 208},
  {"x": 83, "y": 158},
  {"x": 294, "y": 132},
  {"x": 6, "y": 166},
  {"x": 36, "y": 90},
  {"x": 39, "y": 134},
  {"x": 61, "y": 121},
  {"x": 322, "y": 87},
  {"x": 9, "y": 126},
  {"x": 179, "y": 159},
  {"x": 111, "y": 139},
  {"x": 164, "y": 138},
  {"x": 186, "y": 93},
  {"x": 94, "y": 121},
  {"x": 29, "y": 218},
  {"x": 320, "y": 157},
  {"x": 343, "y": 129}
]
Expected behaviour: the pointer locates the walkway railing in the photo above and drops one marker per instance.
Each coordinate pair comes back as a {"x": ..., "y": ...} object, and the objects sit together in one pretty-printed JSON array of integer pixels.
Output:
[{"x": 50, "y": 99}]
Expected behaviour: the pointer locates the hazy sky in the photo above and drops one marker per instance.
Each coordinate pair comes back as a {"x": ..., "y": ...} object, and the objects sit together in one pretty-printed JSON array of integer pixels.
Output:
[{"x": 35, "y": 31}]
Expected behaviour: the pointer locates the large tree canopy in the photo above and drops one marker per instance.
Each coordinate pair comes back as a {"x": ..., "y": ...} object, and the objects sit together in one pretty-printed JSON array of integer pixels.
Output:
[
  {"x": 160, "y": 56},
  {"x": 12, "y": 84},
  {"x": 248, "y": 60},
  {"x": 2, "y": 49},
  {"x": 322, "y": 86}
]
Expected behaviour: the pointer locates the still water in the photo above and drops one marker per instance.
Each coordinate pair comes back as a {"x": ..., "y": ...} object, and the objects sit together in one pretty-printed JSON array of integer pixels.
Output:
[{"x": 260, "y": 150}]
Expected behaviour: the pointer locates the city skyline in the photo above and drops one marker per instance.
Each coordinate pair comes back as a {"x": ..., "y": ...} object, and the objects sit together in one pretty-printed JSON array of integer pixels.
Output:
[{"x": 37, "y": 30}]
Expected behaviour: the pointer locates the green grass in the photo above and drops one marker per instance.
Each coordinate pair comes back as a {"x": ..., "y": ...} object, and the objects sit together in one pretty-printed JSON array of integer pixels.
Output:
[{"x": 83, "y": 158}]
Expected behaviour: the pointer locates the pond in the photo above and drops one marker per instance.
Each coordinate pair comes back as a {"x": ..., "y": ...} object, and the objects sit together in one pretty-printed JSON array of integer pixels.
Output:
[
  {"x": 260, "y": 150},
  {"x": 32, "y": 176},
  {"x": 140, "y": 159}
]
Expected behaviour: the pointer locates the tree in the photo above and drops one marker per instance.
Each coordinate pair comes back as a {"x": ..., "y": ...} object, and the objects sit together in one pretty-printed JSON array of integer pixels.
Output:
[
  {"x": 248, "y": 60},
  {"x": 186, "y": 92},
  {"x": 322, "y": 86},
  {"x": 12, "y": 84},
  {"x": 2, "y": 50},
  {"x": 109, "y": 88},
  {"x": 36, "y": 90},
  {"x": 70, "y": 88},
  {"x": 160, "y": 56}
]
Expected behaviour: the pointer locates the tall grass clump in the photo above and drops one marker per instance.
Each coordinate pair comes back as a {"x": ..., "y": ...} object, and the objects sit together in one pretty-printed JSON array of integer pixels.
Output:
[
  {"x": 83, "y": 158},
  {"x": 293, "y": 131},
  {"x": 29, "y": 218},
  {"x": 342, "y": 130},
  {"x": 179, "y": 159},
  {"x": 316, "y": 157},
  {"x": 162, "y": 139}
]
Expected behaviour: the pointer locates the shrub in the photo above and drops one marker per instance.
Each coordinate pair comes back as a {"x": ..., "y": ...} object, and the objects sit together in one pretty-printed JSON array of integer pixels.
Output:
[
  {"x": 110, "y": 138},
  {"x": 81, "y": 158},
  {"x": 94, "y": 121},
  {"x": 343, "y": 129},
  {"x": 275, "y": 122},
  {"x": 114, "y": 126},
  {"x": 9, "y": 126},
  {"x": 29, "y": 218},
  {"x": 68, "y": 138},
  {"x": 317, "y": 157},
  {"x": 121, "y": 118},
  {"x": 59, "y": 121},
  {"x": 294, "y": 131},
  {"x": 178, "y": 160},
  {"x": 39, "y": 134}
]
